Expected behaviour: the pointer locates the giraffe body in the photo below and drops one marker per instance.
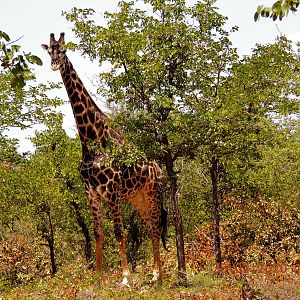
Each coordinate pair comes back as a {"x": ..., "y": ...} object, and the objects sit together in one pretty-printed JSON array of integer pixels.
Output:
[{"x": 140, "y": 185}]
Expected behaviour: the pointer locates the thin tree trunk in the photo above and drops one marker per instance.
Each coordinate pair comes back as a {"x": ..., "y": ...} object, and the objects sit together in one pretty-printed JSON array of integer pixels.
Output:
[
  {"x": 178, "y": 224},
  {"x": 215, "y": 211},
  {"x": 50, "y": 240},
  {"x": 52, "y": 255},
  {"x": 85, "y": 231}
]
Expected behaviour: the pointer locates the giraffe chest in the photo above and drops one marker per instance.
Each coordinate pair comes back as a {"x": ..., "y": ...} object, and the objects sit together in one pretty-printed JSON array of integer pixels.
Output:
[{"x": 104, "y": 179}]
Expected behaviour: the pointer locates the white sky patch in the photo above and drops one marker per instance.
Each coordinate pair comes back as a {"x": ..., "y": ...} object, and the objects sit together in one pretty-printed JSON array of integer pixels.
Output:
[{"x": 295, "y": 38}]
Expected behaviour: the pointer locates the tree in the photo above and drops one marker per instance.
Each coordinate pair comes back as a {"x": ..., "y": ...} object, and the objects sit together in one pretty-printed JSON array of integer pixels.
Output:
[
  {"x": 44, "y": 189},
  {"x": 58, "y": 188},
  {"x": 241, "y": 113},
  {"x": 21, "y": 106},
  {"x": 278, "y": 10},
  {"x": 181, "y": 91},
  {"x": 160, "y": 64}
]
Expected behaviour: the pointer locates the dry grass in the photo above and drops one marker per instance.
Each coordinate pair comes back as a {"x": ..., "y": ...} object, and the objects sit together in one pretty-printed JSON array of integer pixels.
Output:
[{"x": 75, "y": 282}]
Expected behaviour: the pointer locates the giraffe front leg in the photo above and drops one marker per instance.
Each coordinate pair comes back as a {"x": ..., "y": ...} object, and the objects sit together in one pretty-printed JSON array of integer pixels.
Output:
[
  {"x": 94, "y": 200},
  {"x": 118, "y": 230},
  {"x": 99, "y": 242}
]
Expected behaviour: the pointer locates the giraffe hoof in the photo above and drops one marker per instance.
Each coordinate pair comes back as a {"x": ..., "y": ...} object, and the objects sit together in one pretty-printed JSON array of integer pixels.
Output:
[
  {"x": 125, "y": 282},
  {"x": 155, "y": 276}
]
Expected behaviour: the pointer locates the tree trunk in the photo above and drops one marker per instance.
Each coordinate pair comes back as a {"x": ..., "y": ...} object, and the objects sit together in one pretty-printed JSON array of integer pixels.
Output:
[
  {"x": 215, "y": 211},
  {"x": 85, "y": 231},
  {"x": 175, "y": 188},
  {"x": 50, "y": 240},
  {"x": 52, "y": 255}
]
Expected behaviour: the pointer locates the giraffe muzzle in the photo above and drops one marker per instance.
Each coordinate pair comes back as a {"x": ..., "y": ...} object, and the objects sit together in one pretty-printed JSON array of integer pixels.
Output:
[{"x": 54, "y": 66}]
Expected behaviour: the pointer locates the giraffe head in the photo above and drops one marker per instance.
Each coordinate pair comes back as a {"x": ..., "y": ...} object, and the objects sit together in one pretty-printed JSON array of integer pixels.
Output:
[{"x": 56, "y": 51}]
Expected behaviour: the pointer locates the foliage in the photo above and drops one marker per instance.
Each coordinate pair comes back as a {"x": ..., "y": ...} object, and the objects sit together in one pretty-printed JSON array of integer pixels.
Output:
[
  {"x": 258, "y": 230},
  {"x": 276, "y": 174},
  {"x": 40, "y": 190},
  {"x": 262, "y": 230},
  {"x": 195, "y": 192},
  {"x": 16, "y": 66},
  {"x": 22, "y": 257},
  {"x": 156, "y": 79},
  {"x": 20, "y": 106},
  {"x": 263, "y": 88},
  {"x": 245, "y": 104},
  {"x": 278, "y": 10},
  {"x": 26, "y": 107}
]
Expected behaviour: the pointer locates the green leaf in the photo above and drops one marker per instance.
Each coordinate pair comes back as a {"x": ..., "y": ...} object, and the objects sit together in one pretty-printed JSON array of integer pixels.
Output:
[
  {"x": 18, "y": 82},
  {"x": 4, "y": 36},
  {"x": 276, "y": 5},
  {"x": 33, "y": 59},
  {"x": 9, "y": 54},
  {"x": 259, "y": 9},
  {"x": 28, "y": 75},
  {"x": 15, "y": 48}
]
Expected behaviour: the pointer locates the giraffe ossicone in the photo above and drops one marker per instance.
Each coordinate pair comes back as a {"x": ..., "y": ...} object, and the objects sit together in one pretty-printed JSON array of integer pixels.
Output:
[{"x": 140, "y": 184}]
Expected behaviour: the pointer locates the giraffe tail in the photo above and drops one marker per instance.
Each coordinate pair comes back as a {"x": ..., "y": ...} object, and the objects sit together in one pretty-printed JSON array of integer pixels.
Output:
[{"x": 164, "y": 225}]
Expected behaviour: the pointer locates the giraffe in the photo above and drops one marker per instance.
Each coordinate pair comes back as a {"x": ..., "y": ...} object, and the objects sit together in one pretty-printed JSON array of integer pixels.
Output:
[{"x": 140, "y": 185}]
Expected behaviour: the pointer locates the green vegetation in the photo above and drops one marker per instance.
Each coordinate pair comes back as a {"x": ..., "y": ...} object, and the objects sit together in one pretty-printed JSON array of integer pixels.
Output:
[
  {"x": 278, "y": 10},
  {"x": 224, "y": 129}
]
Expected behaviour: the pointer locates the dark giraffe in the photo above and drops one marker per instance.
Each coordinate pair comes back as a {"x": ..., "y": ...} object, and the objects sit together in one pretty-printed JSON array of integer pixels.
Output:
[{"x": 140, "y": 185}]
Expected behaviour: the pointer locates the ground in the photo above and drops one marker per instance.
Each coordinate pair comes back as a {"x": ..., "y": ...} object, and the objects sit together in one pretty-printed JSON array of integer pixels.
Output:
[{"x": 75, "y": 281}]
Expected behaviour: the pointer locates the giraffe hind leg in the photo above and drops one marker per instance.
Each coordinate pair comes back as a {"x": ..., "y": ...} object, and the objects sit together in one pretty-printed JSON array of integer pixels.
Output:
[
  {"x": 157, "y": 272},
  {"x": 149, "y": 209}
]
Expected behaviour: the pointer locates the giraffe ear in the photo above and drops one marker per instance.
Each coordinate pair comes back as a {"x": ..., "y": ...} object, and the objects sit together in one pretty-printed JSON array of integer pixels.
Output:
[{"x": 45, "y": 47}]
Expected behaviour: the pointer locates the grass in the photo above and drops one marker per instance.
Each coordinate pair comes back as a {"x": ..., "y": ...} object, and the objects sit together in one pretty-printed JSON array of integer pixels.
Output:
[{"x": 75, "y": 282}]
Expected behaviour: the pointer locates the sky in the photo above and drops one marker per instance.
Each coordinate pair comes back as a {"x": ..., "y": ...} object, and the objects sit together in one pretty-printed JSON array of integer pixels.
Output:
[{"x": 34, "y": 20}]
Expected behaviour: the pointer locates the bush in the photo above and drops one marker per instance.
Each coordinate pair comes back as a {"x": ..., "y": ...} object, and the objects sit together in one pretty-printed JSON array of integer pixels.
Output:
[
  {"x": 21, "y": 259},
  {"x": 257, "y": 230}
]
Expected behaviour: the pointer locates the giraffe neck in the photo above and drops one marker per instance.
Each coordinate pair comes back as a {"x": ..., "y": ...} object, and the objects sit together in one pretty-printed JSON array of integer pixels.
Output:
[{"x": 90, "y": 120}]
